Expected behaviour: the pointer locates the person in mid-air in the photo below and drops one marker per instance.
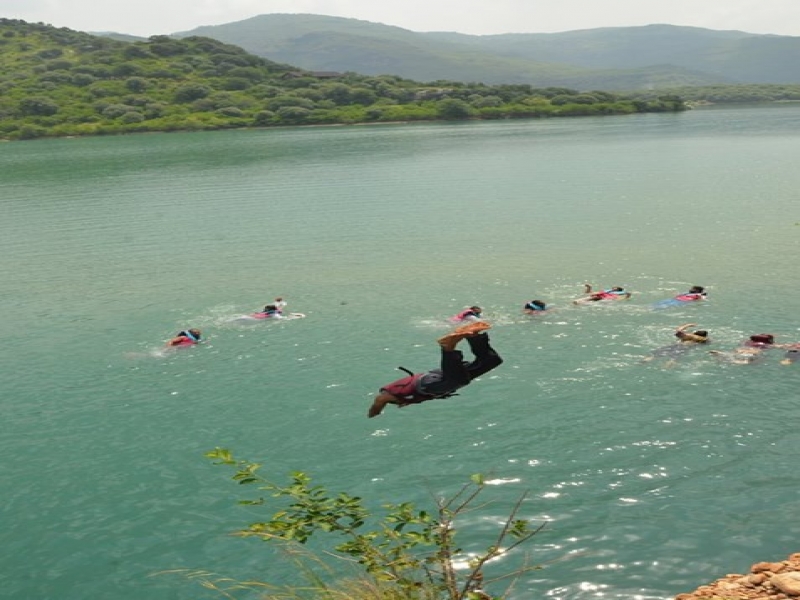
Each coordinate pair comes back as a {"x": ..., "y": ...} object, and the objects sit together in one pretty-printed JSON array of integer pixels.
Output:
[
  {"x": 187, "y": 337},
  {"x": 613, "y": 293},
  {"x": 534, "y": 307},
  {"x": 686, "y": 340},
  {"x": 453, "y": 374},
  {"x": 468, "y": 315}
]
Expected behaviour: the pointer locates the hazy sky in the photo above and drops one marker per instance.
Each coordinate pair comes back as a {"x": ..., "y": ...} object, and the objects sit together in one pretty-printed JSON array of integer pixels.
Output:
[{"x": 153, "y": 17}]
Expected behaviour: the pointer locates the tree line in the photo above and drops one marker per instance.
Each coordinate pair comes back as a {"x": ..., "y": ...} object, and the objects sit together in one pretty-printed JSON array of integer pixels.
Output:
[{"x": 59, "y": 82}]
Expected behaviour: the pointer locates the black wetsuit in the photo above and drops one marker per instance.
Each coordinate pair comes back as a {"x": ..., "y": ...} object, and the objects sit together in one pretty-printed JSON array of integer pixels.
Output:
[{"x": 454, "y": 373}]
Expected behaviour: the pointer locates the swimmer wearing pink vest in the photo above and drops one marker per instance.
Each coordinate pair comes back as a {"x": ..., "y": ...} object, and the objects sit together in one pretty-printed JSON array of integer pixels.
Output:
[
  {"x": 751, "y": 349},
  {"x": 187, "y": 337},
  {"x": 696, "y": 293},
  {"x": 468, "y": 315},
  {"x": 613, "y": 293},
  {"x": 271, "y": 311}
]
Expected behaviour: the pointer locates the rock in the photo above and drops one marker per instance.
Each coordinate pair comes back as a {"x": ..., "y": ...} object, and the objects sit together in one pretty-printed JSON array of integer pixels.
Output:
[
  {"x": 766, "y": 566},
  {"x": 788, "y": 583},
  {"x": 766, "y": 581}
]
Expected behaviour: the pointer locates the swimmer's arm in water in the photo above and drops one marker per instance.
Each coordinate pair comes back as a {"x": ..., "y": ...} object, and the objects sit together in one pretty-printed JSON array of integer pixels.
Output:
[{"x": 681, "y": 334}]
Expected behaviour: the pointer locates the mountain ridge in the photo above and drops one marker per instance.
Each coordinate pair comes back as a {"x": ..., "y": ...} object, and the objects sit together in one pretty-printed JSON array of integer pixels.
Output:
[{"x": 614, "y": 58}]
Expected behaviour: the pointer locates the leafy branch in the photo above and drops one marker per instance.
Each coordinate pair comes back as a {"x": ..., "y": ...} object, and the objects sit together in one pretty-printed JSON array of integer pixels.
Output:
[{"x": 407, "y": 550}]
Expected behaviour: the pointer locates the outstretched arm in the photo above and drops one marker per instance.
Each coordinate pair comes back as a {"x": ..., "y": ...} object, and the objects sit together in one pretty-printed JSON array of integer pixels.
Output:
[{"x": 379, "y": 403}]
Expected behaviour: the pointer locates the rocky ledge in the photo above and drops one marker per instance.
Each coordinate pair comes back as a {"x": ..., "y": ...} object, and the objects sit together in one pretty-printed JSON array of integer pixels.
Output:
[{"x": 766, "y": 581}]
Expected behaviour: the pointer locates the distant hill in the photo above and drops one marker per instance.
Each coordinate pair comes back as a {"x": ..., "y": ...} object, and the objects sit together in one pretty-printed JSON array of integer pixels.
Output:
[
  {"x": 620, "y": 58},
  {"x": 60, "y": 82}
]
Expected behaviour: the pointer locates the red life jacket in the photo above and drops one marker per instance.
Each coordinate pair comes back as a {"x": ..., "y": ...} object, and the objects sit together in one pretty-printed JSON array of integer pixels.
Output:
[
  {"x": 463, "y": 315},
  {"x": 406, "y": 389}
]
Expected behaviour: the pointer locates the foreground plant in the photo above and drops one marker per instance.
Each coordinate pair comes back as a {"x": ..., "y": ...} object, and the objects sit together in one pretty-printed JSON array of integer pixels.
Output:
[{"x": 405, "y": 553}]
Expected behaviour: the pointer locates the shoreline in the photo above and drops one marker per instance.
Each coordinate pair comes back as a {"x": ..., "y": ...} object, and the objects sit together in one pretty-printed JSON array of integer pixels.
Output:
[{"x": 765, "y": 581}]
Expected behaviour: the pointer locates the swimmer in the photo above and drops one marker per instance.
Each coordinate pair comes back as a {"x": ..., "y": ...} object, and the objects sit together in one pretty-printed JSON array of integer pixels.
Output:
[
  {"x": 187, "y": 337},
  {"x": 699, "y": 336},
  {"x": 613, "y": 293},
  {"x": 453, "y": 374},
  {"x": 697, "y": 292},
  {"x": 792, "y": 354},
  {"x": 272, "y": 311},
  {"x": 534, "y": 307},
  {"x": 685, "y": 341},
  {"x": 468, "y": 315},
  {"x": 750, "y": 350}
]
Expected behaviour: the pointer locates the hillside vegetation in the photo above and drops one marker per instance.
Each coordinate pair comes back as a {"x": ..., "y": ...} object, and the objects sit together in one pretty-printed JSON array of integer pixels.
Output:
[
  {"x": 614, "y": 59},
  {"x": 59, "y": 82}
]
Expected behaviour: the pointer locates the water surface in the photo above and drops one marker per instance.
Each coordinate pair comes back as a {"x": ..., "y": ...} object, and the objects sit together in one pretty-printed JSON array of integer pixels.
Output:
[{"x": 653, "y": 480}]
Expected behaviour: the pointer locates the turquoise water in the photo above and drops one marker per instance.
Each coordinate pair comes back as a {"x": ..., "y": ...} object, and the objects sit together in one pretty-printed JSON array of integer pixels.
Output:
[{"x": 652, "y": 480}]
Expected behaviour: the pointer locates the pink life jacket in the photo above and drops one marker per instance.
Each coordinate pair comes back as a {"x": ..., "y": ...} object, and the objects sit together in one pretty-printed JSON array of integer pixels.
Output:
[
  {"x": 606, "y": 295},
  {"x": 689, "y": 297},
  {"x": 463, "y": 315},
  {"x": 187, "y": 339},
  {"x": 761, "y": 340},
  {"x": 406, "y": 389}
]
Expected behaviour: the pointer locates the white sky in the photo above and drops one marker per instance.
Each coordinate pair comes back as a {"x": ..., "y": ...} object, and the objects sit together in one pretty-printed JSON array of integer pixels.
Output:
[{"x": 156, "y": 17}]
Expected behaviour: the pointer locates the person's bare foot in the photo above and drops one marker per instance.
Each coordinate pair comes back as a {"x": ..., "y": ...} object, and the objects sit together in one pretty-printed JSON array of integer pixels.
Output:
[{"x": 450, "y": 341}]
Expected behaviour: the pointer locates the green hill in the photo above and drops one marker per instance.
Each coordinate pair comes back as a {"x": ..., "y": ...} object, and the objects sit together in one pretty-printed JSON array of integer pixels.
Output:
[
  {"x": 57, "y": 82},
  {"x": 734, "y": 56},
  {"x": 621, "y": 58}
]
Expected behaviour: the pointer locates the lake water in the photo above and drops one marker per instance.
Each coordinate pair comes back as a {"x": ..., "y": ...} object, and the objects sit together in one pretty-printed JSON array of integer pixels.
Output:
[{"x": 652, "y": 480}]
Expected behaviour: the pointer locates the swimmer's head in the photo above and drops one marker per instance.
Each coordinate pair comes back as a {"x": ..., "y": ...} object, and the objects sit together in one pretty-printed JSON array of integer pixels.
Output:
[
  {"x": 701, "y": 333},
  {"x": 617, "y": 288},
  {"x": 697, "y": 289},
  {"x": 538, "y": 304},
  {"x": 195, "y": 332},
  {"x": 762, "y": 339},
  {"x": 476, "y": 309}
]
